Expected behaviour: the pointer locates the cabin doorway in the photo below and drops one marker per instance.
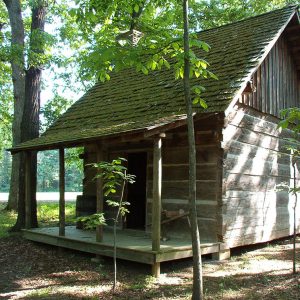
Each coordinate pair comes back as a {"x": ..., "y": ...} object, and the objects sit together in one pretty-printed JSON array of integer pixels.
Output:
[{"x": 136, "y": 192}]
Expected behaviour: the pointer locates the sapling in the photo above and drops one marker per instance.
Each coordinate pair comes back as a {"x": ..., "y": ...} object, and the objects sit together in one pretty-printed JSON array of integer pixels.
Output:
[
  {"x": 115, "y": 178},
  {"x": 291, "y": 119}
]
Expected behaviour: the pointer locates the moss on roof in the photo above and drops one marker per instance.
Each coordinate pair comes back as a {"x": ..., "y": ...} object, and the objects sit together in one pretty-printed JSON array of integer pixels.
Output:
[{"x": 131, "y": 101}]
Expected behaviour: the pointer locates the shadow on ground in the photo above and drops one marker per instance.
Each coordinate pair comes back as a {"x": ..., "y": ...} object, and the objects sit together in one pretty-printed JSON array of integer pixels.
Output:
[{"x": 35, "y": 271}]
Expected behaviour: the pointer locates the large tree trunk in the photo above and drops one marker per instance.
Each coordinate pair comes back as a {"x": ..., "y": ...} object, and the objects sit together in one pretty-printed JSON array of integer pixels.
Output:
[
  {"x": 197, "y": 263},
  {"x": 18, "y": 78},
  {"x": 30, "y": 119}
]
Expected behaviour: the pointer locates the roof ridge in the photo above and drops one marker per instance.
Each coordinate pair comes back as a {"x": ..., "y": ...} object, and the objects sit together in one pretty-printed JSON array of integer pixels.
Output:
[{"x": 290, "y": 6}]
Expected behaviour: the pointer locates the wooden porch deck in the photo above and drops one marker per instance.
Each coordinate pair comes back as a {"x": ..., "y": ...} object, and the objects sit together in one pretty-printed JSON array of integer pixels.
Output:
[{"x": 131, "y": 245}]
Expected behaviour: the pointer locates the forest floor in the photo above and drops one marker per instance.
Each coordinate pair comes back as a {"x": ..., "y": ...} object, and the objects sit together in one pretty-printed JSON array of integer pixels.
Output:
[{"x": 35, "y": 271}]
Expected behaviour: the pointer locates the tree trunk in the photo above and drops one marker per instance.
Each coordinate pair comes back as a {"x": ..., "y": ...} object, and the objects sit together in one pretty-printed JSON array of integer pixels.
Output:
[
  {"x": 197, "y": 263},
  {"x": 294, "y": 158},
  {"x": 30, "y": 119},
  {"x": 18, "y": 77}
]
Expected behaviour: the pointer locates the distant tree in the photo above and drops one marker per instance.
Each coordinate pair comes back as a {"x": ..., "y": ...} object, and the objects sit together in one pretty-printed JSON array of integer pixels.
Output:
[
  {"x": 28, "y": 48},
  {"x": 53, "y": 109},
  {"x": 47, "y": 171},
  {"x": 6, "y": 107},
  {"x": 26, "y": 77},
  {"x": 6, "y": 104},
  {"x": 47, "y": 167},
  {"x": 5, "y": 170}
]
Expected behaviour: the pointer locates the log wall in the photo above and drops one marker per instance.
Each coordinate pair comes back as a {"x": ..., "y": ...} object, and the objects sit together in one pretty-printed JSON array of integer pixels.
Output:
[
  {"x": 255, "y": 162},
  {"x": 175, "y": 179},
  {"x": 275, "y": 83},
  {"x": 175, "y": 176}
]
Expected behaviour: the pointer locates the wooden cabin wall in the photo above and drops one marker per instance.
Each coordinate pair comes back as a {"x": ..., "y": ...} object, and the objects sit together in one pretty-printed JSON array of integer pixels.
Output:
[
  {"x": 175, "y": 179},
  {"x": 255, "y": 162},
  {"x": 276, "y": 82}
]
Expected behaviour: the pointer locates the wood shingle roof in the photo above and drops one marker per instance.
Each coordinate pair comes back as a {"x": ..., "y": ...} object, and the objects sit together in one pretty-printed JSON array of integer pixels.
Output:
[{"x": 132, "y": 102}]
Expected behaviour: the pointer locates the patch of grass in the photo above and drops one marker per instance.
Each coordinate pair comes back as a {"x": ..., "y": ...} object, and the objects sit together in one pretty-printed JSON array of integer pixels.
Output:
[
  {"x": 142, "y": 283},
  {"x": 47, "y": 216},
  {"x": 48, "y": 213},
  {"x": 39, "y": 294},
  {"x": 7, "y": 220}
]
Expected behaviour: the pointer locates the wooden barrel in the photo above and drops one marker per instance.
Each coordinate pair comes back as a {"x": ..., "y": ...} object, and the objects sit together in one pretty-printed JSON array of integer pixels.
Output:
[{"x": 85, "y": 206}]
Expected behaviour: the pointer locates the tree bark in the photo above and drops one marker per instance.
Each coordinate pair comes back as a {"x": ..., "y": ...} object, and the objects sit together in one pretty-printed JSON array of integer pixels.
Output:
[
  {"x": 18, "y": 77},
  {"x": 30, "y": 116},
  {"x": 197, "y": 263},
  {"x": 294, "y": 213}
]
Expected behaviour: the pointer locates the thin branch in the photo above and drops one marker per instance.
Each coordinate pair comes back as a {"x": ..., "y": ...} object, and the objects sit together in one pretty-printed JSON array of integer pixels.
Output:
[{"x": 115, "y": 233}]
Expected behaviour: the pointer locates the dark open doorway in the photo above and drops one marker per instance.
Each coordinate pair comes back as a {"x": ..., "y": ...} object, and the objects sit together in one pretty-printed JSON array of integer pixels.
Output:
[{"x": 136, "y": 193}]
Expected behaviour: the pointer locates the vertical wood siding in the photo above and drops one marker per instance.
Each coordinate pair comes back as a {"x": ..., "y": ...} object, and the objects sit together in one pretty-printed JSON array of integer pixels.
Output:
[{"x": 276, "y": 82}]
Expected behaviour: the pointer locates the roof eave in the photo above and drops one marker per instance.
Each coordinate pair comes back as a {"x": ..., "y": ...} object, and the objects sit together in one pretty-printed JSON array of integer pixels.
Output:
[
  {"x": 121, "y": 137},
  {"x": 140, "y": 134}
]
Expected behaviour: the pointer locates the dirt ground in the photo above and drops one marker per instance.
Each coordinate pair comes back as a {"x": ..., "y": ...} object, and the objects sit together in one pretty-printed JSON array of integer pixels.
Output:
[{"x": 35, "y": 271}]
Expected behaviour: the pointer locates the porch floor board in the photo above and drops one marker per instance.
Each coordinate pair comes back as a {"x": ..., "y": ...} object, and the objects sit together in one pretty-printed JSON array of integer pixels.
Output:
[{"x": 131, "y": 244}]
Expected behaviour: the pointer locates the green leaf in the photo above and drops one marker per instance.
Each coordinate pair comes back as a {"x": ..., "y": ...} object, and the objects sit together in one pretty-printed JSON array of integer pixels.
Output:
[
  {"x": 205, "y": 47},
  {"x": 112, "y": 203},
  {"x": 203, "y": 103},
  {"x": 136, "y": 8},
  {"x": 145, "y": 70},
  {"x": 197, "y": 73},
  {"x": 166, "y": 64},
  {"x": 283, "y": 124},
  {"x": 153, "y": 65},
  {"x": 196, "y": 100},
  {"x": 72, "y": 12},
  {"x": 198, "y": 89},
  {"x": 203, "y": 64},
  {"x": 175, "y": 46},
  {"x": 181, "y": 72},
  {"x": 212, "y": 75}
]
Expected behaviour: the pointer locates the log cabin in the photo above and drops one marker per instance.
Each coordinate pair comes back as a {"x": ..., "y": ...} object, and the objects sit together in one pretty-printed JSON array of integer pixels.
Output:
[{"x": 241, "y": 154}]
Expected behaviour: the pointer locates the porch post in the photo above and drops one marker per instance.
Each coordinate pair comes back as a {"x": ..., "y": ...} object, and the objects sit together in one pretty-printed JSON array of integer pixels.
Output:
[
  {"x": 156, "y": 201},
  {"x": 62, "y": 216},
  {"x": 28, "y": 210},
  {"x": 99, "y": 193}
]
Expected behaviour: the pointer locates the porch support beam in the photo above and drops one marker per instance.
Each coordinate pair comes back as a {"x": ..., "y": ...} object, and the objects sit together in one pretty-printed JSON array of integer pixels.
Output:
[
  {"x": 62, "y": 214},
  {"x": 28, "y": 202},
  {"x": 156, "y": 203},
  {"x": 99, "y": 195}
]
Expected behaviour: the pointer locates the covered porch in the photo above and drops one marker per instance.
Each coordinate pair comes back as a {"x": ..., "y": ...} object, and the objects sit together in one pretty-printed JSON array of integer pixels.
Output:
[
  {"x": 132, "y": 245},
  {"x": 100, "y": 242},
  {"x": 144, "y": 246}
]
